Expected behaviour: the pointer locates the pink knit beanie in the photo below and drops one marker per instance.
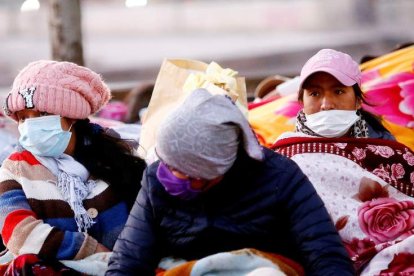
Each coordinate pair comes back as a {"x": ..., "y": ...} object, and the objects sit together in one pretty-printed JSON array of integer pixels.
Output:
[{"x": 57, "y": 87}]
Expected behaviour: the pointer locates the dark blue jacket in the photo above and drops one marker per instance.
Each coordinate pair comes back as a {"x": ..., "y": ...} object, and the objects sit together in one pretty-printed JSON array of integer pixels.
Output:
[
  {"x": 379, "y": 134},
  {"x": 269, "y": 205}
]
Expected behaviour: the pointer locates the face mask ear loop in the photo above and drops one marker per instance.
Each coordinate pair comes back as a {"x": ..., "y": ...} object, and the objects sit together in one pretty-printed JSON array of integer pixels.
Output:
[{"x": 71, "y": 126}]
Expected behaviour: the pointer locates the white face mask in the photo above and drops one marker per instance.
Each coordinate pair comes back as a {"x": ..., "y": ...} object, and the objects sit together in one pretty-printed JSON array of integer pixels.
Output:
[
  {"x": 331, "y": 123},
  {"x": 44, "y": 136}
]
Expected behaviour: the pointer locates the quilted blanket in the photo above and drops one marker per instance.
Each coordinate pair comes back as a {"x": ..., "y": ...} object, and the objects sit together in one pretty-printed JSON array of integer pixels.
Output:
[{"x": 367, "y": 186}]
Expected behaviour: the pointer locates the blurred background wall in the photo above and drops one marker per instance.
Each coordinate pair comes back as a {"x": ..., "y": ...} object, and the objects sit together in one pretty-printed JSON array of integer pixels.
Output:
[{"x": 126, "y": 41}]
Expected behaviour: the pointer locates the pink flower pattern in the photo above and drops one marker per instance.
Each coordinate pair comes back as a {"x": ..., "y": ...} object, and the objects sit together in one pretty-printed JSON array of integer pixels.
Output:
[
  {"x": 406, "y": 106},
  {"x": 383, "y": 151},
  {"x": 397, "y": 171},
  {"x": 359, "y": 153},
  {"x": 386, "y": 219},
  {"x": 383, "y": 172},
  {"x": 341, "y": 145},
  {"x": 377, "y": 221},
  {"x": 409, "y": 157},
  {"x": 397, "y": 92}
]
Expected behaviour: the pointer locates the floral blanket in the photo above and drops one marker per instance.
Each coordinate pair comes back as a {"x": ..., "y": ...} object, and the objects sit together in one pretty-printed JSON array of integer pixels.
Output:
[
  {"x": 367, "y": 187},
  {"x": 248, "y": 262}
]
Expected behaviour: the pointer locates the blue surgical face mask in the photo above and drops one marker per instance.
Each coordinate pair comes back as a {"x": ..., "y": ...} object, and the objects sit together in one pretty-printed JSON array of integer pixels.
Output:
[
  {"x": 175, "y": 186},
  {"x": 44, "y": 136}
]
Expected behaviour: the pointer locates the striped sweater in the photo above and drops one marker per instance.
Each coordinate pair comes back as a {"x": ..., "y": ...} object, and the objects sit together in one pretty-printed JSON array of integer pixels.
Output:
[{"x": 34, "y": 218}]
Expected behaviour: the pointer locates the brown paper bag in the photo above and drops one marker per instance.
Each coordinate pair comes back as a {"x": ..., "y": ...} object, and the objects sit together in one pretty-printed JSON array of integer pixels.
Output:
[{"x": 168, "y": 94}]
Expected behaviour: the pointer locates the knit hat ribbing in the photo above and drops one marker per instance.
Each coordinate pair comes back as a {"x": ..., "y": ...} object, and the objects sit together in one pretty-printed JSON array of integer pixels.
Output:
[{"x": 61, "y": 88}]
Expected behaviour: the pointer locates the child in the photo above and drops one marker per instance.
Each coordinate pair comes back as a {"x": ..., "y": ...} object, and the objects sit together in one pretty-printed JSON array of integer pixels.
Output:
[{"x": 66, "y": 194}]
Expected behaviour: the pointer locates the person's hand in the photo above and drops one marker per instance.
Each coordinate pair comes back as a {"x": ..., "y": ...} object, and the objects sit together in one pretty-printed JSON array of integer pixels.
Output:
[{"x": 101, "y": 248}]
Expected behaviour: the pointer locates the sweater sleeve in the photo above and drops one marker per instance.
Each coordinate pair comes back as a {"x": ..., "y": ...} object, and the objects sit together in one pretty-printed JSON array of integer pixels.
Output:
[
  {"x": 312, "y": 227},
  {"x": 135, "y": 252},
  {"x": 23, "y": 232}
]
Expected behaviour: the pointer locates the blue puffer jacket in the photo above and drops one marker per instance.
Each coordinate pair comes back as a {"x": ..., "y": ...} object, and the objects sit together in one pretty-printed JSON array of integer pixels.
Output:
[{"x": 269, "y": 205}]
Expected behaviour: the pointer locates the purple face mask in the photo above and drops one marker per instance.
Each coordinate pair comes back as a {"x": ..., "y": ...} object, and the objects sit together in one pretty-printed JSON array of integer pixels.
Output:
[{"x": 174, "y": 185}]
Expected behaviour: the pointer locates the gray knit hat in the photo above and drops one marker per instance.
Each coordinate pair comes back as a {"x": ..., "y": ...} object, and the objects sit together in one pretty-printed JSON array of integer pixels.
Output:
[{"x": 202, "y": 136}]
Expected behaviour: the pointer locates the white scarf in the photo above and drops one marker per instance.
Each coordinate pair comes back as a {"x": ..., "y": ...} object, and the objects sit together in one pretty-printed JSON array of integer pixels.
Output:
[{"x": 73, "y": 184}]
